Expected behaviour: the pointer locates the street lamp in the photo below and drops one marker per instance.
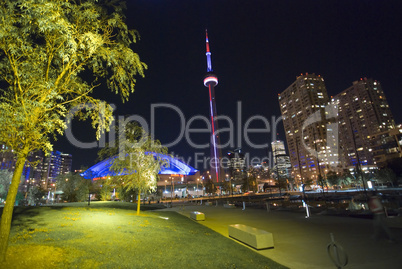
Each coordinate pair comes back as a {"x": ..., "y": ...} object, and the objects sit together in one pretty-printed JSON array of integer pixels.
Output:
[
  {"x": 172, "y": 190},
  {"x": 198, "y": 179},
  {"x": 54, "y": 193},
  {"x": 230, "y": 183}
]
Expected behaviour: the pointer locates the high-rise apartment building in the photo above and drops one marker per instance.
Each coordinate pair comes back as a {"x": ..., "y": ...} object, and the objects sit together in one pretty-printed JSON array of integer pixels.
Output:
[
  {"x": 55, "y": 164},
  {"x": 282, "y": 164},
  {"x": 303, "y": 107},
  {"x": 363, "y": 111},
  {"x": 39, "y": 170},
  {"x": 386, "y": 145},
  {"x": 236, "y": 165},
  {"x": 32, "y": 170},
  {"x": 7, "y": 158},
  {"x": 30, "y": 174},
  {"x": 355, "y": 129}
]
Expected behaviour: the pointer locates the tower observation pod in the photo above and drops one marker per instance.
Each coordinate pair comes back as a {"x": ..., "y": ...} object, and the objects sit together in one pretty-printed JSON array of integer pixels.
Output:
[{"x": 210, "y": 81}]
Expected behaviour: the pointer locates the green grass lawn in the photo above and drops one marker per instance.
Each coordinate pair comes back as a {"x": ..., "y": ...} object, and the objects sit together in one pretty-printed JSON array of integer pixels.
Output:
[{"x": 111, "y": 235}]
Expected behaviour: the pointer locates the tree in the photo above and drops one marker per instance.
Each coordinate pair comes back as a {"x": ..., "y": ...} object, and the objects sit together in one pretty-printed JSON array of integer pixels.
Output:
[
  {"x": 5, "y": 179},
  {"x": 333, "y": 178},
  {"x": 346, "y": 177},
  {"x": 210, "y": 187},
  {"x": 386, "y": 175},
  {"x": 74, "y": 187},
  {"x": 321, "y": 181},
  {"x": 53, "y": 55},
  {"x": 225, "y": 186},
  {"x": 105, "y": 192},
  {"x": 139, "y": 160},
  {"x": 308, "y": 182},
  {"x": 33, "y": 195},
  {"x": 250, "y": 179},
  {"x": 395, "y": 165},
  {"x": 124, "y": 194}
]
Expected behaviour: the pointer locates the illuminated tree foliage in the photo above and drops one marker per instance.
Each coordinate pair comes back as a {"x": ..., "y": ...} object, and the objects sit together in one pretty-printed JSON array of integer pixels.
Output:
[
  {"x": 135, "y": 167},
  {"x": 333, "y": 178},
  {"x": 5, "y": 179},
  {"x": 45, "y": 46},
  {"x": 74, "y": 187}
]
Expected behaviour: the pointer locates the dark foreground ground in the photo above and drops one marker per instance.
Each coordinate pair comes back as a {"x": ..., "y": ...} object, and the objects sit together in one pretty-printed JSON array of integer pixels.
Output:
[
  {"x": 302, "y": 242},
  {"x": 111, "y": 235}
]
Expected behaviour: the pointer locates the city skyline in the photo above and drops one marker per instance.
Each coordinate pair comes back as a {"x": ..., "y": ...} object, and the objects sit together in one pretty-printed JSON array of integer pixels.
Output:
[{"x": 259, "y": 49}]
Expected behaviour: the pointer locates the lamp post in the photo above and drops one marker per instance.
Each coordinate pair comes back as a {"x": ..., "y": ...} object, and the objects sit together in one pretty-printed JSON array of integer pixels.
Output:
[
  {"x": 172, "y": 190},
  {"x": 230, "y": 183},
  {"x": 202, "y": 186},
  {"x": 198, "y": 179},
  {"x": 54, "y": 193}
]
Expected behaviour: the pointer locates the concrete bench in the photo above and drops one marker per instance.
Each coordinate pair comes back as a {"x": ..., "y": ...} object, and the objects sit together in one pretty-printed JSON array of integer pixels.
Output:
[
  {"x": 256, "y": 238},
  {"x": 229, "y": 206},
  {"x": 196, "y": 215}
]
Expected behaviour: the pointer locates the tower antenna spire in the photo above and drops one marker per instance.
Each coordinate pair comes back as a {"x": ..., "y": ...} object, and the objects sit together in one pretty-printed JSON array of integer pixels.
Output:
[
  {"x": 210, "y": 81},
  {"x": 208, "y": 53}
]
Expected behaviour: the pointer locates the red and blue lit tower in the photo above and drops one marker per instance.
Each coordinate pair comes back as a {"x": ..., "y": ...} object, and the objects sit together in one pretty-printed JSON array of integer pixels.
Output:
[{"x": 210, "y": 81}]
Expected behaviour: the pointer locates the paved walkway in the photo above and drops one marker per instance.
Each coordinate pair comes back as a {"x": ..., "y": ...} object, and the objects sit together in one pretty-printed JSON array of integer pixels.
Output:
[{"x": 302, "y": 243}]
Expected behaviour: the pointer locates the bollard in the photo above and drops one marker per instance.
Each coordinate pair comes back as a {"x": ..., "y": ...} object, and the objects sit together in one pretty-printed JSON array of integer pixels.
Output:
[
  {"x": 307, "y": 210},
  {"x": 244, "y": 206},
  {"x": 268, "y": 208},
  {"x": 337, "y": 254}
]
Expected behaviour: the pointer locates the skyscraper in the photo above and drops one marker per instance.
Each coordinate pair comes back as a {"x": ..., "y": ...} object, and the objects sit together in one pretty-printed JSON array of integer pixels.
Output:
[
  {"x": 307, "y": 144},
  {"x": 55, "y": 164},
  {"x": 210, "y": 81},
  {"x": 282, "y": 164},
  {"x": 363, "y": 111},
  {"x": 386, "y": 146},
  {"x": 236, "y": 165}
]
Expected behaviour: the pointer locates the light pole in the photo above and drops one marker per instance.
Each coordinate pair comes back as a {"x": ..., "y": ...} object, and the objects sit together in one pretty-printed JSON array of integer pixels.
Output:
[
  {"x": 54, "y": 193},
  {"x": 202, "y": 186},
  {"x": 277, "y": 170},
  {"x": 198, "y": 179},
  {"x": 172, "y": 190},
  {"x": 230, "y": 182}
]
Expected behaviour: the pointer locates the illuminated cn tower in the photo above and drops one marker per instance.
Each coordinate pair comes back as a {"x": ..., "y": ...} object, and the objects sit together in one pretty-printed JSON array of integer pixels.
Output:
[{"x": 210, "y": 81}]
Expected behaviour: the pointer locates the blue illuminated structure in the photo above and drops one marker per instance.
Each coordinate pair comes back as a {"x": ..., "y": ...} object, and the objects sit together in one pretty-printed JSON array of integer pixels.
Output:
[
  {"x": 210, "y": 81},
  {"x": 175, "y": 166}
]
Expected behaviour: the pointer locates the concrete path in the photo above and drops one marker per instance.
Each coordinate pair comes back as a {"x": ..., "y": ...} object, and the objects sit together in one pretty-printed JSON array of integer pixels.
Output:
[{"x": 302, "y": 243}]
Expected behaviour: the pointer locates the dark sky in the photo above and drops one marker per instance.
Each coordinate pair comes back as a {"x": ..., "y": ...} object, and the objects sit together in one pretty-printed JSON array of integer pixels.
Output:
[{"x": 258, "y": 49}]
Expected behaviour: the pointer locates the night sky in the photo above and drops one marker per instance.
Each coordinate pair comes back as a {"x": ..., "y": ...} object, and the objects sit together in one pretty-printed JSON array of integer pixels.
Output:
[{"x": 258, "y": 48}]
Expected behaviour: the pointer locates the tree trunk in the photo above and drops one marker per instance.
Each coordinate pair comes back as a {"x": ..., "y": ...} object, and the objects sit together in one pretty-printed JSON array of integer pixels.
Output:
[
  {"x": 138, "y": 202},
  {"x": 6, "y": 217}
]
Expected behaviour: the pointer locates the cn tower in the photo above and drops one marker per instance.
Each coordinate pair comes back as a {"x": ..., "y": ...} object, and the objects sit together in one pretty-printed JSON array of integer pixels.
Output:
[{"x": 210, "y": 81}]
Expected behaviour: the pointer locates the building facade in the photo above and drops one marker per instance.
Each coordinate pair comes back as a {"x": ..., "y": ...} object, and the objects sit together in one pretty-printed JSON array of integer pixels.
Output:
[
  {"x": 282, "y": 165},
  {"x": 386, "y": 145},
  {"x": 353, "y": 129},
  {"x": 363, "y": 112},
  {"x": 237, "y": 168},
  {"x": 55, "y": 164},
  {"x": 303, "y": 107}
]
